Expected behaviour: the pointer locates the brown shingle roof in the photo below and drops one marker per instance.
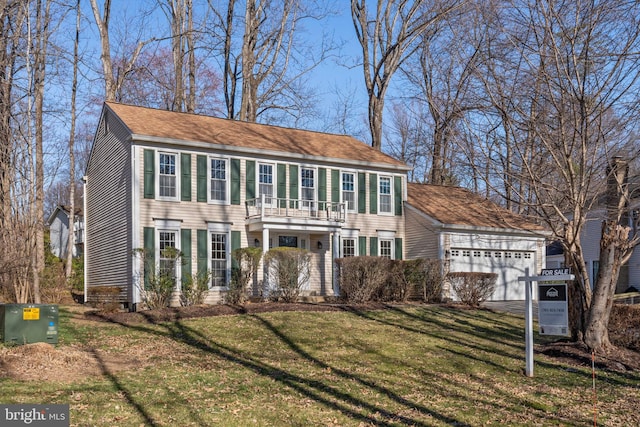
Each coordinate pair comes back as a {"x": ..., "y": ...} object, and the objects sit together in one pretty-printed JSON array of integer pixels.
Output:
[
  {"x": 459, "y": 206},
  {"x": 192, "y": 127}
]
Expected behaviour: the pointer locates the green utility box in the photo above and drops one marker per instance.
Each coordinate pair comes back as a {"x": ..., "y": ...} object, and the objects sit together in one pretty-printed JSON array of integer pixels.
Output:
[{"x": 29, "y": 323}]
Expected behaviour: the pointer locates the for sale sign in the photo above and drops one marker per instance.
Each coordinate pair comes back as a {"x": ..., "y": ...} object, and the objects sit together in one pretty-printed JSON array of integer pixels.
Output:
[{"x": 553, "y": 316}]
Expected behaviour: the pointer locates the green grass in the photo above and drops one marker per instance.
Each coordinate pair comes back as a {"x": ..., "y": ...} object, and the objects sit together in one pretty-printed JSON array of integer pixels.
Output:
[{"x": 424, "y": 366}]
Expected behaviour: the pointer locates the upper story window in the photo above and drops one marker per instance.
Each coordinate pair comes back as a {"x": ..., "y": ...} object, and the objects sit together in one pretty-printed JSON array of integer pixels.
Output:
[
  {"x": 265, "y": 179},
  {"x": 218, "y": 180},
  {"x": 349, "y": 190},
  {"x": 386, "y": 197},
  {"x": 168, "y": 176},
  {"x": 308, "y": 186}
]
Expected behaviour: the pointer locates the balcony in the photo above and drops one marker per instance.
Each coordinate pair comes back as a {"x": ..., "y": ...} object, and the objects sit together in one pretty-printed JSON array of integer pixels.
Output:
[{"x": 294, "y": 211}]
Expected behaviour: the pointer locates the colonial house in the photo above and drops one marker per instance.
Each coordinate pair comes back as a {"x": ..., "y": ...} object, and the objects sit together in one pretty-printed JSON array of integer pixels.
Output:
[
  {"x": 59, "y": 231},
  {"x": 472, "y": 234},
  {"x": 206, "y": 186}
]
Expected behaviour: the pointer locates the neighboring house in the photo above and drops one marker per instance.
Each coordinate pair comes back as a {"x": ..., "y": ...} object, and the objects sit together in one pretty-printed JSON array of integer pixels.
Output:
[
  {"x": 472, "y": 234},
  {"x": 158, "y": 179},
  {"x": 59, "y": 231},
  {"x": 590, "y": 237}
]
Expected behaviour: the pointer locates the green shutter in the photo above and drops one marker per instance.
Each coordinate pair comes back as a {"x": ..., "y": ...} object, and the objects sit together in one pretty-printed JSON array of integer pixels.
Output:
[
  {"x": 398, "y": 248},
  {"x": 322, "y": 188},
  {"x": 201, "y": 165},
  {"x": 282, "y": 185},
  {"x": 293, "y": 185},
  {"x": 373, "y": 246},
  {"x": 251, "y": 179},
  {"x": 235, "y": 181},
  {"x": 362, "y": 246},
  {"x": 362, "y": 193},
  {"x": 235, "y": 244},
  {"x": 185, "y": 243},
  {"x": 149, "y": 253},
  {"x": 149, "y": 174},
  {"x": 335, "y": 186},
  {"x": 203, "y": 256},
  {"x": 185, "y": 181},
  {"x": 397, "y": 194},
  {"x": 373, "y": 193}
]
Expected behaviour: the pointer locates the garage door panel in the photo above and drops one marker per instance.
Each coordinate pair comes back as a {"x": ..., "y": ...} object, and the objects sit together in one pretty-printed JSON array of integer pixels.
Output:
[{"x": 508, "y": 265}]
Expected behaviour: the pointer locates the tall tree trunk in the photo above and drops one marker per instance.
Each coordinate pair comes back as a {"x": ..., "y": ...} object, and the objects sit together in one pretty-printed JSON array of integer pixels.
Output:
[
  {"x": 40, "y": 55},
  {"x": 72, "y": 166},
  {"x": 191, "y": 97},
  {"x": 596, "y": 333},
  {"x": 248, "y": 101}
]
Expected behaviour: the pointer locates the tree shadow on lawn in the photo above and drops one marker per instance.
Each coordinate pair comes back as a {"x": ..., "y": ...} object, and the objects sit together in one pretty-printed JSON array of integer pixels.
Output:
[{"x": 320, "y": 392}]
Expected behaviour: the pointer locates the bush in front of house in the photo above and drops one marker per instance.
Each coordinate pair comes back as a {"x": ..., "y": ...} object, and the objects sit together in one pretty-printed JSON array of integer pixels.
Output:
[
  {"x": 159, "y": 283},
  {"x": 194, "y": 288},
  {"x": 246, "y": 265},
  {"x": 369, "y": 278},
  {"x": 473, "y": 288},
  {"x": 288, "y": 270},
  {"x": 412, "y": 278},
  {"x": 363, "y": 278}
]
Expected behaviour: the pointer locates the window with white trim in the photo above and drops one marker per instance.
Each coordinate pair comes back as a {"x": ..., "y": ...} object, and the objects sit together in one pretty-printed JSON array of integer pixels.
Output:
[
  {"x": 348, "y": 247},
  {"x": 219, "y": 258},
  {"x": 308, "y": 187},
  {"x": 349, "y": 190},
  {"x": 386, "y": 248},
  {"x": 167, "y": 175},
  {"x": 218, "y": 181},
  {"x": 385, "y": 196},
  {"x": 265, "y": 181}
]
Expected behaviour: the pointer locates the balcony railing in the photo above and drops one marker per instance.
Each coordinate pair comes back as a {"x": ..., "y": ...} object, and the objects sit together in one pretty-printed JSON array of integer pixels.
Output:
[{"x": 294, "y": 208}]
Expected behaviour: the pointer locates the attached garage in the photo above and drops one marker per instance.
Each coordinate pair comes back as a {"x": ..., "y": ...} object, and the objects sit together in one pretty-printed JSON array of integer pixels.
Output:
[{"x": 472, "y": 234}]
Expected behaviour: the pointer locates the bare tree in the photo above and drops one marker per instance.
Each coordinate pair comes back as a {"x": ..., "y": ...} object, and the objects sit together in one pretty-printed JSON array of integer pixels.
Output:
[
  {"x": 71, "y": 242},
  {"x": 113, "y": 81},
  {"x": 265, "y": 60},
  {"x": 581, "y": 67},
  {"x": 387, "y": 39}
]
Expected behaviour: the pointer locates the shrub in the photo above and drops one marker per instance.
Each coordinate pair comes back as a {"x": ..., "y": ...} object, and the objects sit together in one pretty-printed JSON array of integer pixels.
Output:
[
  {"x": 410, "y": 277},
  {"x": 246, "y": 265},
  {"x": 362, "y": 277},
  {"x": 473, "y": 288},
  {"x": 431, "y": 287},
  {"x": 624, "y": 326},
  {"x": 159, "y": 283},
  {"x": 194, "y": 288},
  {"x": 105, "y": 298},
  {"x": 288, "y": 269}
]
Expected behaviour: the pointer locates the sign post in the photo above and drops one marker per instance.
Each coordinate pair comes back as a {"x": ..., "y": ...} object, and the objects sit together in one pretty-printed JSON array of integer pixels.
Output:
[{"x": 547, "y": 275}]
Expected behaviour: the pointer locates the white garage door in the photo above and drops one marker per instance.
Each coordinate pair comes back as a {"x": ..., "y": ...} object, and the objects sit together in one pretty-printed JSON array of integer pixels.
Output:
[{"x": 509, "y": 265}]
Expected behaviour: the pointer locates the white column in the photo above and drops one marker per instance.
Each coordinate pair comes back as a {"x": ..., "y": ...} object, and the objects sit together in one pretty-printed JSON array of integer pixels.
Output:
[
  {"x": 265, "y": 249},
  {"x": 335, "y": 253}
]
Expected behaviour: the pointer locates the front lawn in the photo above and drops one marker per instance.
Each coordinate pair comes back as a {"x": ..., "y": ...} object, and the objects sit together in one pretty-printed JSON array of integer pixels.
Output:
[{"x": 408, "y": 365}]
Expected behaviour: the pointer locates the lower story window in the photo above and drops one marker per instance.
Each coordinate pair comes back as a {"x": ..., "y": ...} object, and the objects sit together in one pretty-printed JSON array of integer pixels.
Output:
[
  {"x": 218, "y": 259},
  {"x": 348, "y": 248},
  {"x": 385, "y": 249},
  {"x": 168, "y": 254}
]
